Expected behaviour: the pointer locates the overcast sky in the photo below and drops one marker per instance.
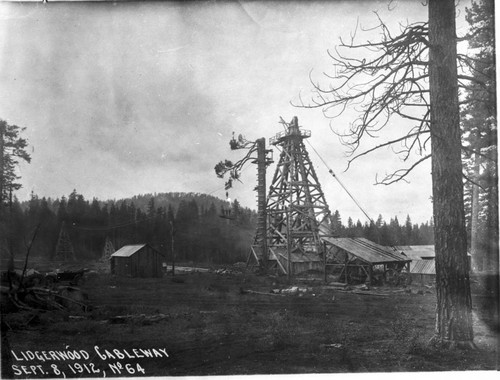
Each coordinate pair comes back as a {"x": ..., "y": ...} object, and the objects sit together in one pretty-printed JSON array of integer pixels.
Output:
[{"x": 129, "y": 98}]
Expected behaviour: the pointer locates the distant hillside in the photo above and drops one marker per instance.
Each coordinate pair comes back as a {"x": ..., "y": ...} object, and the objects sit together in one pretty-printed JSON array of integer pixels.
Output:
[
  {"x": 201, "y": 235},
  {"x": 161, "y": 200},
  {"x": 203, "y": 201}
]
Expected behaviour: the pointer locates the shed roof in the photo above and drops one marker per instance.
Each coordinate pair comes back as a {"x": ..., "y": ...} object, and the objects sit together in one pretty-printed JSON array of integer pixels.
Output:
[
  {"x": 423, "y": 267},
  {"x": 367, "y": 250},
  {"x": 417, "y": 252},
  {"x": 128, "y": 250}
]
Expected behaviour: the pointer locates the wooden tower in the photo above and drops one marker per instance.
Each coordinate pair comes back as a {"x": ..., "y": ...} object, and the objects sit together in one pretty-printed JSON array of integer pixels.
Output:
[
  {"x": 64, "y": 248},
  {"x": 297, "y": 212},
  {"x": 108, "y": 250}
]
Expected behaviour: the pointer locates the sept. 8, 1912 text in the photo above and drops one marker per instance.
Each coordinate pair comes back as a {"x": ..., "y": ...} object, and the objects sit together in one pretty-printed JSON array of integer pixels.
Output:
[{"x": 99, "y": 362}]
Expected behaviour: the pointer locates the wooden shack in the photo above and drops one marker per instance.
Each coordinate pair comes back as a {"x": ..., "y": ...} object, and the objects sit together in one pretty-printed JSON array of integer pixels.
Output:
[
  {"x": 361, "y": 260},
  {"x": 422, "y": 267},
  {"x": 137, "y": 261},
  {"x": 423, "y": 272}
]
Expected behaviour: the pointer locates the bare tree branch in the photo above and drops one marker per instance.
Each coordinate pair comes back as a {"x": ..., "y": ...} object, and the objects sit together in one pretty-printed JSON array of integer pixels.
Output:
[
  {"x": 388, "y": 143},
  {"x": 401, "y": 174},
  {"x": 381, "y": 79}
]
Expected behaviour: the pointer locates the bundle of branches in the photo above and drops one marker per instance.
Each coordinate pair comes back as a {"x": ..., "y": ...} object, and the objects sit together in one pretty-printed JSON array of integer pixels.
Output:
[
  {"x": 24, "y": 294},
  {"x": 43, "y": 299}
]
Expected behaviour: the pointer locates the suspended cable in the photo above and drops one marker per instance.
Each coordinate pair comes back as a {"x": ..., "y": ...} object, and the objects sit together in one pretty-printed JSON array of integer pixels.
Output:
[
  {"x": 216, "y": 190},
  {"x": 340, "y": 182}
]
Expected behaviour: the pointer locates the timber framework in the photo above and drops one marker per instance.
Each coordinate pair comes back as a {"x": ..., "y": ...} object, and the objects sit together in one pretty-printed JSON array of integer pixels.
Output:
[{"x": 295, "y": 233}]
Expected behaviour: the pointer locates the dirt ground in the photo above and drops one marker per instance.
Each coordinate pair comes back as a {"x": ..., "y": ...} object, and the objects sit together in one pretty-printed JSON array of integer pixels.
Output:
[{"x": 209, "y": 324}]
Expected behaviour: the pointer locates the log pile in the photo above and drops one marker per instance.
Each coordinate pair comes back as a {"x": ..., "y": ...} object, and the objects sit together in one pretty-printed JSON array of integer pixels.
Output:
[{"x": 16, "y": 298}]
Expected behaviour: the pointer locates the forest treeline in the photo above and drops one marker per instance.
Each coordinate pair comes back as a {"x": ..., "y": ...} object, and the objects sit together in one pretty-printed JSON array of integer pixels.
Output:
[
  {"x": 199, "y": 233},
  {"x": 205, "y": 229}
]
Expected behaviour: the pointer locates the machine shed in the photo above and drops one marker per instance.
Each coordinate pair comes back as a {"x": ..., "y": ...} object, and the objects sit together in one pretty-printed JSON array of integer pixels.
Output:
[
  {"x": 137, "y": 261},
  {"x": 367, "y": 251},
  {"x": 359, "y": 259}
]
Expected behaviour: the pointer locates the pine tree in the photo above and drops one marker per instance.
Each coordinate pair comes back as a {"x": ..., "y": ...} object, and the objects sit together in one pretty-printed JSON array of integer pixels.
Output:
[
  {"x": 479, "y": 138},
  {"x": 12, "y": 150},
  {"x": 336, "y": 223},
  {"x": 408, "y": 232},
  {"x": 415, "y": 69},
  {"x": 454, "y": 305}
]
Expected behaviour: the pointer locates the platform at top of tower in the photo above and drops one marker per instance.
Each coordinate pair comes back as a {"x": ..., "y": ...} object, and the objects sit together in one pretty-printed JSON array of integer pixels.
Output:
[
  {"x": 292, "y": 131},
  {"x": 280, "y": 137}
]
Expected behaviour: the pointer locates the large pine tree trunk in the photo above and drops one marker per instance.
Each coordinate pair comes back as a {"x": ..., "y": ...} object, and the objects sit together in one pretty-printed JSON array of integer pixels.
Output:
[
  {"x": 454, "y": 305},
  {"x": 490, "y": 261},
  {"x": 475, "y": 245}
]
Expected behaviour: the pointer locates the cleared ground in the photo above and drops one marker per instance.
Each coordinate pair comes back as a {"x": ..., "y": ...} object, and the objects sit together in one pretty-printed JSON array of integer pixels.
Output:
[{"x": 210, "y": 325}]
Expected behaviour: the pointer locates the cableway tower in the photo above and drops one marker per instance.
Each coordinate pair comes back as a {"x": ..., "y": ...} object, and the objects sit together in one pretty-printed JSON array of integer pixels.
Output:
[{"x": 296, "y": 209}]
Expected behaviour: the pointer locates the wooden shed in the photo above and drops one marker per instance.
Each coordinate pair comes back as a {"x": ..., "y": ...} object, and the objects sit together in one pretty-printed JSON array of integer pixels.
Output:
[
  {"x": 423, "y": 271},
  {"x": 137, "y": 261},
  {"x": 361, "y": 260},
  {"x": 422, "y": 267},
  {"x": 299, "y": 261}
]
